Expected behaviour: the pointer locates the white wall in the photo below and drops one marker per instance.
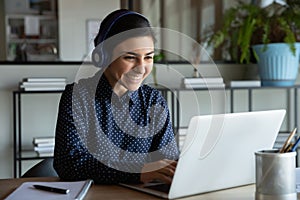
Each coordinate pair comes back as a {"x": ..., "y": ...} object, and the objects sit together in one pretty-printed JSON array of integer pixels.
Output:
[{"x": 73, "y": 15}]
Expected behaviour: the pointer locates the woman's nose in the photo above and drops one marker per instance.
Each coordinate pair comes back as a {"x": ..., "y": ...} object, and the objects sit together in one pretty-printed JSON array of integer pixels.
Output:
[{"x": 140, "y": 66}]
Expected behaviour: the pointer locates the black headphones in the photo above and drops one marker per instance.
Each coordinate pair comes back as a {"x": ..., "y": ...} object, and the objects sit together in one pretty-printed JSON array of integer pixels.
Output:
[{"x": 100, "y": 58}]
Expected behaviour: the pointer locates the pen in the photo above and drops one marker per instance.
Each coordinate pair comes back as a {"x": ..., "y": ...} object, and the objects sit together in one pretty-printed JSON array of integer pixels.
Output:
[
  {"x": 287, "y": 142},
  {"x": 289, "y": 147},
  {"x": 52, "y": 189},
  {"x": 296, "y": 144}
]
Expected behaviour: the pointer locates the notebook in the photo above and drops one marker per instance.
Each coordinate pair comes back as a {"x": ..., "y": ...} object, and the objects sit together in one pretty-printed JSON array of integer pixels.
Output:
[
  {"x": 218, "y": 153},
  {"x": 27, "y": 191}
]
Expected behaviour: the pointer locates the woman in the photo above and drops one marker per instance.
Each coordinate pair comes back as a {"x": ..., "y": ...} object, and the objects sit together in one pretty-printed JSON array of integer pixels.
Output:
[{"x": 111, "y": 128}]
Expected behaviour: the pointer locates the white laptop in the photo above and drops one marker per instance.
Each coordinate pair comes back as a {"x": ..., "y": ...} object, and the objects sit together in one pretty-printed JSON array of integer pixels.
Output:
[{"x": 218, "y": 152}]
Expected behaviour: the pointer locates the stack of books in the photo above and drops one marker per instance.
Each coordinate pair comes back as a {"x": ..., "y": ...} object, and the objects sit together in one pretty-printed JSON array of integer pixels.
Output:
[
  {"x": 43, "y": 84},
  {"x": 44, "y": 146},
  {"x": 207, "y": 82}
]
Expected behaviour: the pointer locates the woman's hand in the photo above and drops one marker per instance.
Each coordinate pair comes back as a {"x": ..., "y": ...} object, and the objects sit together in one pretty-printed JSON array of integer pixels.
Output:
[{"x": 162, "y": 170}]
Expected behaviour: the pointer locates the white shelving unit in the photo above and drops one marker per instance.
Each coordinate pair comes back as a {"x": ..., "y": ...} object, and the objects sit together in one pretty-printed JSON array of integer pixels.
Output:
[{"x": 178, "y": 111}]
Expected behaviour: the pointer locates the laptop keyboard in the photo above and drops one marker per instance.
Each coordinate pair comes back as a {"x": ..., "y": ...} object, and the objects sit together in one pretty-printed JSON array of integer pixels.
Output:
[{"x": 160, "y": 187}]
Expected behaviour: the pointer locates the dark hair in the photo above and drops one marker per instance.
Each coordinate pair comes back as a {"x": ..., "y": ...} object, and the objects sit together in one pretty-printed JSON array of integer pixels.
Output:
[{"x": 123, "y": 20}]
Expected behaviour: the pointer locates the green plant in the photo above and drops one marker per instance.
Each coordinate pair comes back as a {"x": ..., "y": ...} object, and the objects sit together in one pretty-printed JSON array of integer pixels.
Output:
[{"x": 249, "y": 24}]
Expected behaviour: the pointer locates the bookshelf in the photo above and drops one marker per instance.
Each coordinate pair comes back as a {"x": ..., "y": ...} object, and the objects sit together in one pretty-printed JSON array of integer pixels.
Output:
[
  {"x": 173, "y": 97},
  {"x": 22, "y": 45},
  {"x": 20, "y": 151}
]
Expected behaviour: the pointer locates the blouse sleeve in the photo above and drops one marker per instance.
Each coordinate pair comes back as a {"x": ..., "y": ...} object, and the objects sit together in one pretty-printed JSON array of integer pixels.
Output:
[{"x": 164, "y": 142}]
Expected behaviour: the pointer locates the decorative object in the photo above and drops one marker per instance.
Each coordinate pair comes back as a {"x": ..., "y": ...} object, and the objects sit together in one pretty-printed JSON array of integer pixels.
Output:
[{"x": 277, "y": 65}]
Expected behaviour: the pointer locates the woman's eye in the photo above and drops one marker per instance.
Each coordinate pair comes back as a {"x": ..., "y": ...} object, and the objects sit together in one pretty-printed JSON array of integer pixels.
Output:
[
  {"x": 149, "y": 57},
  {"x": 129, "y": 57}
]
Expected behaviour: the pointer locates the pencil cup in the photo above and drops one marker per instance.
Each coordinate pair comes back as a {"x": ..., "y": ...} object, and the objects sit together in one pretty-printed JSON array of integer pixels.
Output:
[{"x": 275, "y": 175}]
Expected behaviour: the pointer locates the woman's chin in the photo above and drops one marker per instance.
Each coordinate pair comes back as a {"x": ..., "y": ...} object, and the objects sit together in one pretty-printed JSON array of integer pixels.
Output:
[
  {"x": 133, "y": 88},
  {"x": 133, "y": 85}
]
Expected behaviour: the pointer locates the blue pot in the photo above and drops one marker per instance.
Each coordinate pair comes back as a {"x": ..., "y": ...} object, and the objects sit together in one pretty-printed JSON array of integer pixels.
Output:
[{"x": 277, "y": 65}]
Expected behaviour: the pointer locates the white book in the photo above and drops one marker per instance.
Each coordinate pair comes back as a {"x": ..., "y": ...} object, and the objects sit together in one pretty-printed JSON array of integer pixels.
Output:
[
  {"x": 211, "y": 85},
  {"x": 192, "y": 80},
  {"x": 46, "y": 154},
  {"x": 44, "y": 144},
  {"x": 46, "y": 139},
  {"x": 245, "y": 83},
  {"x": 44, "y": 149},
  {"x": 44, "y": 86},
  {"x": 58, "y": 88},
  {"x": 43, "y": 83},
  {"x": 45, "y": 79}
]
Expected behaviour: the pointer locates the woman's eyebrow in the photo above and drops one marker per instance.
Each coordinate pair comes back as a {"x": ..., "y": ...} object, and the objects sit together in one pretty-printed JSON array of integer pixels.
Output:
[{"x": 136, "y": 54}]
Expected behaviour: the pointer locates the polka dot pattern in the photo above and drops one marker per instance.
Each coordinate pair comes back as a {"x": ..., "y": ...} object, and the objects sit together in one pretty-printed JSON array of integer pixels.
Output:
[{"x": 107, "y": 138}]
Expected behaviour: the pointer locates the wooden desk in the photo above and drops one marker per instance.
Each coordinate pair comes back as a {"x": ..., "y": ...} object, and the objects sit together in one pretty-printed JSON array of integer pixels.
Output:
[{"x": 114, "y": 192}]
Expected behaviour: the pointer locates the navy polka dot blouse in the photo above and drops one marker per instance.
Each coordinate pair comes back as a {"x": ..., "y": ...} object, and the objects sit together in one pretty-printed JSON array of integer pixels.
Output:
[{"x": 107, "y": 138}]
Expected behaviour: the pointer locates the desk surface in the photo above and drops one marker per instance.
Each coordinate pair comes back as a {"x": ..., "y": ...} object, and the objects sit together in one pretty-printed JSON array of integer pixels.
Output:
[{"x": 114, "y": 192}]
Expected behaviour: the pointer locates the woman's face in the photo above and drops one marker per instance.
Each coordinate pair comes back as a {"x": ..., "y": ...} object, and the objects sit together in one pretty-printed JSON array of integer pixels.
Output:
[{"x": 132, "y": 63}]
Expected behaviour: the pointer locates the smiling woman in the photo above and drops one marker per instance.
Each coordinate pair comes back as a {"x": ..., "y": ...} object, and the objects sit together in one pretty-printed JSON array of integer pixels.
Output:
[{"x": 111, "y": 127}]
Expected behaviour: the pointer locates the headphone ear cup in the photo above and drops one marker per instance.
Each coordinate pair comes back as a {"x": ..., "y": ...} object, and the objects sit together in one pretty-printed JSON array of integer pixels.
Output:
[{"x": 97, "y": 57}]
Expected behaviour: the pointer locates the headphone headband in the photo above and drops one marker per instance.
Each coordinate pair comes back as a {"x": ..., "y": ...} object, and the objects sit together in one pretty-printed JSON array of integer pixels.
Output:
[
  {"x": 113, "y": 19},
  {"x": 100, "y": 58}
]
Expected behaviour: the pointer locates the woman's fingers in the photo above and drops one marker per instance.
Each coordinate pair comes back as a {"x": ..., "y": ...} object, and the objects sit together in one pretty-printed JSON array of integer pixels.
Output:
[
  {"x": 164, "y": 178},
  {"x": 168, "y": 171},
  {"x": 162, "y": 170}
]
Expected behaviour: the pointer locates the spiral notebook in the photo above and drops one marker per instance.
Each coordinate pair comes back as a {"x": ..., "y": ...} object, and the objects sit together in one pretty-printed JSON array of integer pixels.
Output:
[{"x": 26, "y": 191}]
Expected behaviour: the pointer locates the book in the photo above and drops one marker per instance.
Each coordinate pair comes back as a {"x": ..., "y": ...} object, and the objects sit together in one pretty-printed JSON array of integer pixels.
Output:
[
  {"x": 44, "y": 144},
  {"x": 45, "y": 79},
  {"x": 211, "y": 85},
  {"x": 46, "y": 139},
  {"x": 245, "y": 83},
  {"x": 206, "y": 80},
  {"x": 40, "y": 86},
  {"x": 35, "y": 84},
  {"x": 77, "y": 190},
  {"x": 43, "y": 88},
  {"x": 44, "y": 149},
  {"x": 45, "y": 154}
]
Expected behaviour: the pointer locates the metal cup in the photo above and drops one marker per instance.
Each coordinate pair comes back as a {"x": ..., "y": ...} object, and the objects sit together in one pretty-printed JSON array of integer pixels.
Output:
[{"x": 275, "y": 175}]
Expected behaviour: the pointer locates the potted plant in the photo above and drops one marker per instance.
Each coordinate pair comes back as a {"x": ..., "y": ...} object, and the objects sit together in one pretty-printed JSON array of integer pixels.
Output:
[{"x": 250, "y": 31}]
